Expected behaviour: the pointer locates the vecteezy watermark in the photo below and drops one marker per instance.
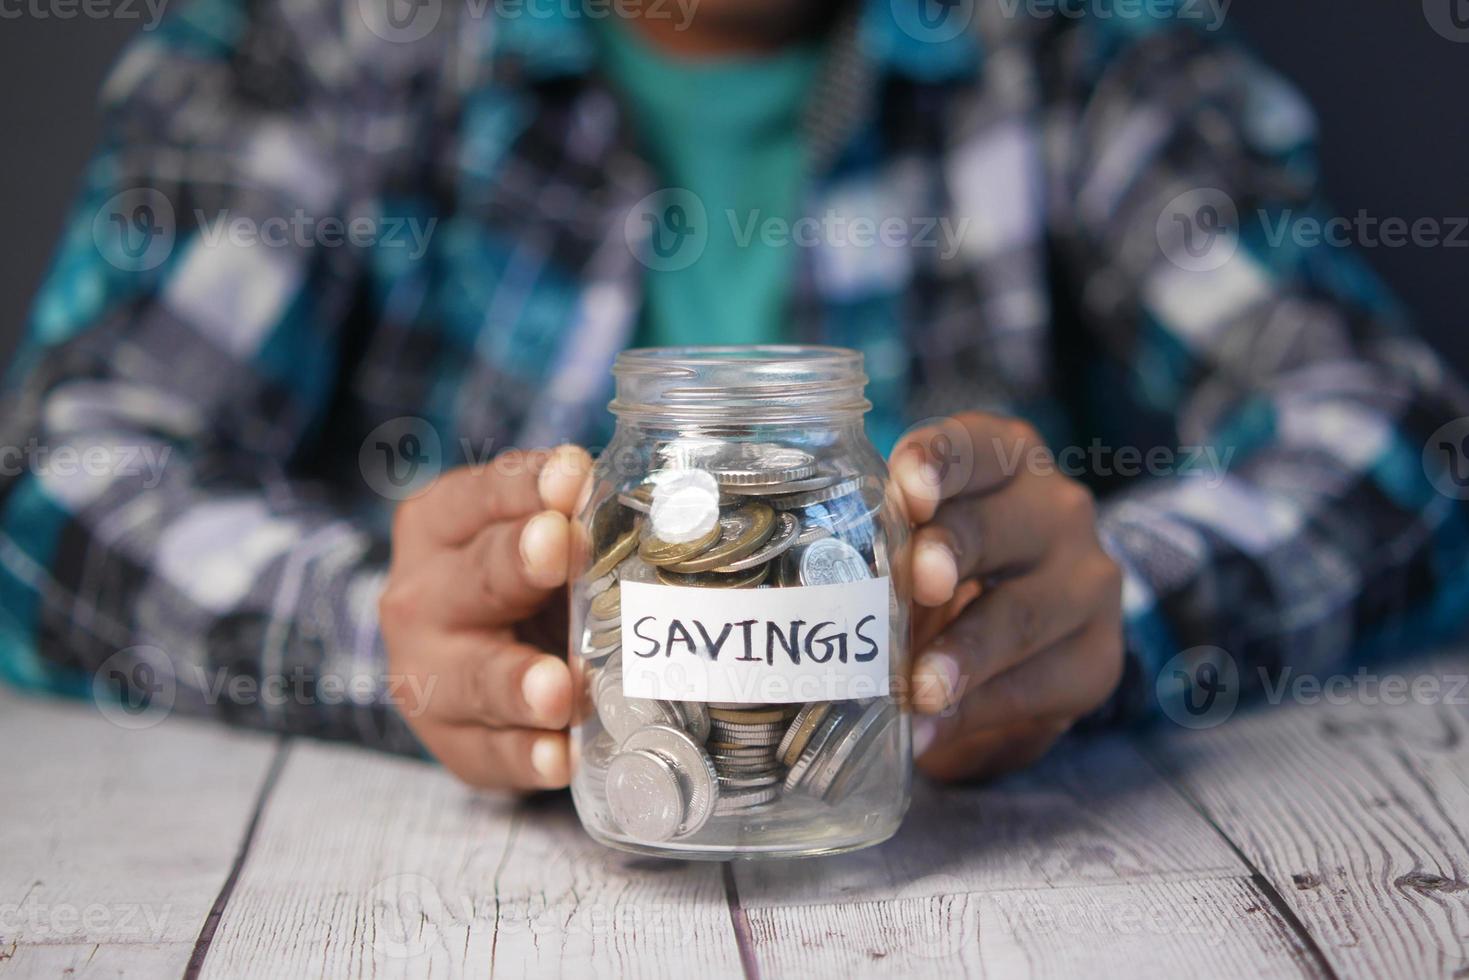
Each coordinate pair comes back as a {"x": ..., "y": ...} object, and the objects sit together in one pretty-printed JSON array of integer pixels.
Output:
[
  {"x": 1201, "y": 687},
  {"x": 95, "y": 460},
  {"x": 407, "y": 21},
  {"x": 58, "y": 922},
  {"x": 1099, "y": 460},
  {"x": 401, "y": 458},
  {"x": 1208, "y": 14},
  {"x": 138, "y": 229},
  {"x": 150, "y": 12},
  {"x": 836, "y": 230},
  {"x": 1449, "y": 18},
  {"x": 1200, "y": 230},
  {"x": 1446, "y": 459},
  {"x": 139, "y": 687},
  {"x": 668, "y": 229},
  {"x": 933, "y": 21}
]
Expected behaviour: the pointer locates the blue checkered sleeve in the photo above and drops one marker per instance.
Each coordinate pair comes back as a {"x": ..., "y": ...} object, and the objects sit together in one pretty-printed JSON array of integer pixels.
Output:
[
  {"x": 193, "y": 564},
  {"x": 1298, "y": 526}
]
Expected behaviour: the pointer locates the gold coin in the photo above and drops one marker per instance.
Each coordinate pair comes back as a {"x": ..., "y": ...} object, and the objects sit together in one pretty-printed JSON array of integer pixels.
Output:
[
  {"x": 741, "y": 533},
  {"x": 613, "y": 556},
  {"x": 709, "y": 580},
  {"x": 657, "y": 552},
  {"x": 801, "y": 731},
  {"x": 606, "y": 605}
]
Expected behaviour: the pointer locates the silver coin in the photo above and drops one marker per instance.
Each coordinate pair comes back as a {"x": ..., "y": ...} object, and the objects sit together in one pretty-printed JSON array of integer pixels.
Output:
[
  {"x": 758, "y": 464},
  {"x": 644, "y": 795},
  {"x": 787, "y": 528},
  {"x": 810, "y": 533},
  {"x": 697, "y": 776},
  {"x": 766, "y": 777},
  {"x": 809, "y": 498},
  {"x": 634, "y": 569},
  {"x": 622, "y": 715},
  {"x": 737, "y": 801},
  {"x": 695, "y": 719},
  {"x": 597, "y": 756},
  {"x": 802, "y": 766},
  {"x": 832, "y": 561},
  {"x": 845, "y": 752},
  {"x": 597, "y": 586},
  {"x": 808, "y": 485}
]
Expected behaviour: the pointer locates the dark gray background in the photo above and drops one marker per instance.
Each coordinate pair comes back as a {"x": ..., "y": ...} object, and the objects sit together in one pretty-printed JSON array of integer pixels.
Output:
[{"x": 1390, "y": 91}]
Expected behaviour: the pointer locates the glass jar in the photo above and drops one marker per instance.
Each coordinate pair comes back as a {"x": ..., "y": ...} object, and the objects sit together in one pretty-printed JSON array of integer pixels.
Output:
[{"x": 738, "y": 634}]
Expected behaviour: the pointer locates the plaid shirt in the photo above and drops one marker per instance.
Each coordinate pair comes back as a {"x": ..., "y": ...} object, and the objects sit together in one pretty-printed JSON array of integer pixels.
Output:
[{"x": 1085, "y": 294}]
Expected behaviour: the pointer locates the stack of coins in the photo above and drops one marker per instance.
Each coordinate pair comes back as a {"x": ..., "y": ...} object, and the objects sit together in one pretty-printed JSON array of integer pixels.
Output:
[{"x": 719, "y": 514}]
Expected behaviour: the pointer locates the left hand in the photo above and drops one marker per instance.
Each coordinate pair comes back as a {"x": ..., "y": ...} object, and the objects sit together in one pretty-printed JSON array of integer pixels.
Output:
[{"x": 1019, "y": 627}]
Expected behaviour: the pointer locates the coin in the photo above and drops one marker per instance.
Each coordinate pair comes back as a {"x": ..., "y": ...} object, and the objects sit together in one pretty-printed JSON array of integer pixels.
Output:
[
  {"x": 656, "y": 551},
  {"x": 634, "y": 569},
  {"x": 639, "y": 498},
  {"x": 799, "y": 501},
  {"x": 607, "y": 605},
  {"x": 622, "y": 715},
  {"x": 736, "y": 801},
  {"x": 644, "y": 795},
  {"x": 685, "y": 507},
  {"x": 597, "y": 755},
  {"x": 758, "y": 464},
  {"x": 741, "y": 532},
  {"x": 749, "y": 715},
  {"x": 697, "y": 776},
  {"x": 782, "y": 537},
  {"x": 811, "y": 483},
  {"x": 695, "y": 719},
  {"x": 840, "y": 758},
  {"x": 713, "y": 580},
  {"x": 800, "y": 730},
  {"x": 832, "y": 561},
  {"x": 619, "y": 549},
  {"x": 769, "y": 778},
  {"x": 802, "y": 765}
]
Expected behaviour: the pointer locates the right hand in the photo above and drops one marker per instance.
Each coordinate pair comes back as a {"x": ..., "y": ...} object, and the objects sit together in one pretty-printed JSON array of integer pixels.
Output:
[{"x": 474, "y": 558}]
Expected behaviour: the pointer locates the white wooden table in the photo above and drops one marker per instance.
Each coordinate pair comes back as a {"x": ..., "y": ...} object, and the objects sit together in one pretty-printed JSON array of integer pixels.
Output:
[{"x": 1319, "y": 840}]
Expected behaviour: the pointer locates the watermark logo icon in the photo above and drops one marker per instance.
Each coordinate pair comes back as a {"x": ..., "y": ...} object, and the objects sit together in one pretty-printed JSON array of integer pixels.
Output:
[
  {"x": 406, "y": 911},
  {"x": 401, "y": 458},
  {"x": 1446, "y": 459},
  {"x": 932, "y": 21},
  {"x": 135, "y": 230},
  {"x": 1199, "y": 688},
  {"x": 1448, "y": 18},
  {"x": 668, "y": 230},
  {"x": 135, "y": 688},
  {"x": 1198, "y": 230},
  {"x": 401, "y": 21},
  {"x": 945, "y": 453}
]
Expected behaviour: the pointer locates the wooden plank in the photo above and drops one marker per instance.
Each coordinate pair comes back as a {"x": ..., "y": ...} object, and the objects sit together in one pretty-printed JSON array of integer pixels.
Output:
[
  {"x": 1357, "y": 813},
  {"x": 365, "y": 865},
  {"x": 113, "y": 836},
  {"x": 1200, "y": 929},
  {"x": 143, "y": 960},
  {"x": 1095, "y": 812}
]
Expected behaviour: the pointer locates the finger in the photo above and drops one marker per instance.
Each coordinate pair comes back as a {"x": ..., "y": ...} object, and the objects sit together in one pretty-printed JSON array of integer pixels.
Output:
[
  {"x": 515, "y": 758},
  {"x": 989, "y": 754},
  {"x": 562, "y": 478},
  {"x": 507, "y": 685},
  {"x": 1007, "y": 625},
  {"x": 1061, "y": 683},
  {"x": 1005, "y": 532},
  {"x": 463, "y": 501},
  {"x": 973, "y": 453},
  {"x": 501, "y": 577}
]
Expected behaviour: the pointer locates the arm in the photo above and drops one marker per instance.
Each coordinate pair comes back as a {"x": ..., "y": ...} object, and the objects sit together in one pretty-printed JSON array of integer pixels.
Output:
[
  {"x": 1319, "y": 538},
  {"x": 1316, "y": 538}
]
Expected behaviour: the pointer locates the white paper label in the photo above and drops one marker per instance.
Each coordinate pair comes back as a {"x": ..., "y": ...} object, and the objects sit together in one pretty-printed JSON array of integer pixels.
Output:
[{"x": 756, "y": 646}]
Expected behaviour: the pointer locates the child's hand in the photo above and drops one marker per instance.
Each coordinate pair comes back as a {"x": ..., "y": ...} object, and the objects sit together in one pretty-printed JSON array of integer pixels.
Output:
[
  {"x": 1008, "y": 665},
  {"x": 473, "y": 556}
]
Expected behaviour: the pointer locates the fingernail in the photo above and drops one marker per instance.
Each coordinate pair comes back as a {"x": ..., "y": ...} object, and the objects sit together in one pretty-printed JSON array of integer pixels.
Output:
[
  {"x": 942, "y": 566},
  {"x": 925, "y": 730},
  {"x": 546, "y": 757},
  {"x": 541, "y": 685},
  {"x": 921, "y": 481},
  {"x": 940, "y": 692},
  {"x": 535, "y": 537}
]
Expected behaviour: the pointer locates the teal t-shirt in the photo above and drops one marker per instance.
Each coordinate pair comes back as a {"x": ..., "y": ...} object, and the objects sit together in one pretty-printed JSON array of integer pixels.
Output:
[{"x": 728, "y": 130}]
